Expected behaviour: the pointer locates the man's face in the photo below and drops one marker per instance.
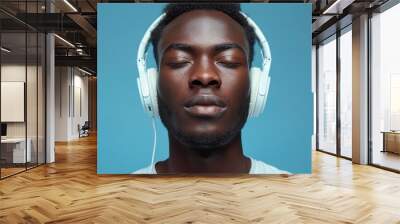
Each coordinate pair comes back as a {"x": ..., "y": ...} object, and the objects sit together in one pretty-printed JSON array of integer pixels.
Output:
[{"x": 203, "y": 89}]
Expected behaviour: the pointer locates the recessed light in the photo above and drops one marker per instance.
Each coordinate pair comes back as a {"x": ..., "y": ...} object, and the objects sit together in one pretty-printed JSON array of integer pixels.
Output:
[
  {"x": 64, "y": 40},
  {"x": 84, "y": 71},
  {"x": 5, "y": 50},
  {"x": 70, "y": 5}
]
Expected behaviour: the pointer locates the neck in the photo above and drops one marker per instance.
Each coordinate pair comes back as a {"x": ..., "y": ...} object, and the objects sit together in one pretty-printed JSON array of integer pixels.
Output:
[{"x": 224, "y": 159}]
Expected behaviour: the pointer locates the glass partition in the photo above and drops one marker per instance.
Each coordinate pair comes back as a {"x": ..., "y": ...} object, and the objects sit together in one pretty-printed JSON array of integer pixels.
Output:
[
  {"x": 22, "y": 77},
  {"x": 14, "y": 153}
]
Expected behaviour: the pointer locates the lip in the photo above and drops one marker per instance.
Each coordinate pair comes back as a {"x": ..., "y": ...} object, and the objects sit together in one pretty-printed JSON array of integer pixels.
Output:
[
  {"x": 205, "y": 106},
  {"x": 205, "y": 111}
]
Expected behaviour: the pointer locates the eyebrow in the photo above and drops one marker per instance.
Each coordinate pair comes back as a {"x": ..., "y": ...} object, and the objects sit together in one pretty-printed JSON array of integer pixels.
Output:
[
  {"x": 226, "y": 46},
  {"x": 180, "y": 47},
  {"x": 190, "y": 49}
]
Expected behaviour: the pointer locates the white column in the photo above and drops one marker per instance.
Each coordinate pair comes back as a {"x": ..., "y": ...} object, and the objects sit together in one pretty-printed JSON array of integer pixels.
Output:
[
  {"x": 50, "y": 93},
  {"x": 50, "y": 100},
  {"x": 360, "y": 90}
]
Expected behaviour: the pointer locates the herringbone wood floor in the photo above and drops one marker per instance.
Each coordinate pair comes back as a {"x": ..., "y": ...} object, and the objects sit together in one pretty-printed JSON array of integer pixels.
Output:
[{"x": 70, "y": 191}]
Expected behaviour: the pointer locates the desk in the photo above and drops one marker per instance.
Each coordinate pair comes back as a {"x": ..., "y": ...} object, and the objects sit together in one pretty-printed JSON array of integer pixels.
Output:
[
  {"x": 17, "y": 150},
  {"x": 391, "y": 141}
]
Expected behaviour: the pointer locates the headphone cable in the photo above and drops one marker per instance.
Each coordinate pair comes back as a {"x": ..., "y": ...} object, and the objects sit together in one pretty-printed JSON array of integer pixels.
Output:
[{"x": 154, "y": 142}]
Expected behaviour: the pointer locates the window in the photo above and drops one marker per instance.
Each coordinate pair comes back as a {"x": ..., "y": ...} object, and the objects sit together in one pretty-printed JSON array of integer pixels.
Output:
[
  {"x": 327, "y": 95},
  {"x": 385, "y": 88},
  {"x": 346, "y": 92}
]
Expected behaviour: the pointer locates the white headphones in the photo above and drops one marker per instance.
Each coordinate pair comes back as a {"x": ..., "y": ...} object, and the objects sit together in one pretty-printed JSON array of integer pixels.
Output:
[{"x": 259, "y": 78}]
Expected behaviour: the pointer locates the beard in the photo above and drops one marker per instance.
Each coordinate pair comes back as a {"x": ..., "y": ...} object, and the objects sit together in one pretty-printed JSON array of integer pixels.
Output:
[{"x": 206, "y": 141}]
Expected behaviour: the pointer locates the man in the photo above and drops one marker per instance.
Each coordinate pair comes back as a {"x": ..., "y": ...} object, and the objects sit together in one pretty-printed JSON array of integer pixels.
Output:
[{"x": 203, "y": 53}]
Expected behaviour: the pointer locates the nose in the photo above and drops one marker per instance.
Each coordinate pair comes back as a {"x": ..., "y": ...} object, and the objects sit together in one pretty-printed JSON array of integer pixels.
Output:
[{"x": 204, "y": 76}]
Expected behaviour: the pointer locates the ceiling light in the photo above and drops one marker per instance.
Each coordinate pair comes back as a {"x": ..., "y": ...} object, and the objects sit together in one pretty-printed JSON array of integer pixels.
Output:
[
  {"x": 84, "y": 71},
  {"x": 5, "y": 50},
  {"x": 79, "y": 51},
  {"x": 328, "y": 10},
  {"x": 65, "y": 41},
  {"x": 70, "y": 5},
  {"x": 337, "y": 7}
]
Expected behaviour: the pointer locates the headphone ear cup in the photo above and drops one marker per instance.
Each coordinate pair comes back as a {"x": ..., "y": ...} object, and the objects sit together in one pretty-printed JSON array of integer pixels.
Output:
[
  {"x": 144, "y": 93},
  {"x": 152, "y": 77},
  {"x": 255, "y": 73},
  {"x": 264, "y": 93},
  {"x": 259, "y": 91},
  {"x": 139, "y": 84}
]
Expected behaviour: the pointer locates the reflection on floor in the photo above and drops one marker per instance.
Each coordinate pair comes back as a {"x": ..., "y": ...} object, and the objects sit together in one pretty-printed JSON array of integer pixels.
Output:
[
  {"x": 70, "y": 191},
  {"x": 387, "y": 159},
  {"x": 10, "y": 169},
  {"x": 346, "y": 152}
]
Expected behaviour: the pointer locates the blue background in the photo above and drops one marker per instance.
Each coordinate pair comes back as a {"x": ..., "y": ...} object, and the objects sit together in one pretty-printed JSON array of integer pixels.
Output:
[{"x": 281, "y": 136}]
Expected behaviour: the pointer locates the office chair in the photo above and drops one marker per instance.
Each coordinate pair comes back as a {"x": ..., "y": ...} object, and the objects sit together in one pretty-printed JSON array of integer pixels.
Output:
[{"x": 84, "y": 130}]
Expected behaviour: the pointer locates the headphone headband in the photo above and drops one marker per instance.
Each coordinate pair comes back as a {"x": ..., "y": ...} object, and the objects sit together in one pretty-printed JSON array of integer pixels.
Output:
[
  {"x": 147, "y": 80},
  {"x": 266, "y": 53},
  {"x": 144, "y": 44}
]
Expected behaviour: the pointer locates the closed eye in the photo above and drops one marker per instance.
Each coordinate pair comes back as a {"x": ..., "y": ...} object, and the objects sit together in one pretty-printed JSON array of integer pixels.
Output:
[
  {"x": 228, "y": 64},
  {"x": 177, "y": 64}
]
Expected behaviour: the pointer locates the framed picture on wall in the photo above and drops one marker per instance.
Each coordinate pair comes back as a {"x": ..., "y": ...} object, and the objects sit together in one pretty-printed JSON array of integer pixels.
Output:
[{"x": 201, "y": 88}]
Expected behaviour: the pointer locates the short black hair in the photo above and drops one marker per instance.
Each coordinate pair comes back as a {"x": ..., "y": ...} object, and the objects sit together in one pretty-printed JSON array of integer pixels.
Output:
[{"x": 174, "y": 10}]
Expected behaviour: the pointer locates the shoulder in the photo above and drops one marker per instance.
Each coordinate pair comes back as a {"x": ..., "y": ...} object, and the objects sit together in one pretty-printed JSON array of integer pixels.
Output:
[
  {"x": 259, "y": 167},
  {"x": 146, "y": 170}
]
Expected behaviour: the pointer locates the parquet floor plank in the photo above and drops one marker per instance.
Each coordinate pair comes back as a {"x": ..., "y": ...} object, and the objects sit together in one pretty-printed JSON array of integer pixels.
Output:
[{"x": 70, "y": 191}]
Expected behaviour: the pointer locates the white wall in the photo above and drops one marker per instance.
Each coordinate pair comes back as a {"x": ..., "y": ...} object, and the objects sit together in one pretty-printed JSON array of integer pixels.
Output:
[
  {"x": 62, "y": 82},
  {"x": 10, "y": 73},
  {"x": 70, "y": 84},
  {"x": 80, "y": 112},
  {"x": 16, "y": 72},
  {"x": 33, "y": 127}
]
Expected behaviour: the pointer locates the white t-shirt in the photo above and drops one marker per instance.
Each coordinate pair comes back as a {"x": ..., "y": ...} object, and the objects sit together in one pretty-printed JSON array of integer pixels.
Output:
[{"x": 257, "y": 167}]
